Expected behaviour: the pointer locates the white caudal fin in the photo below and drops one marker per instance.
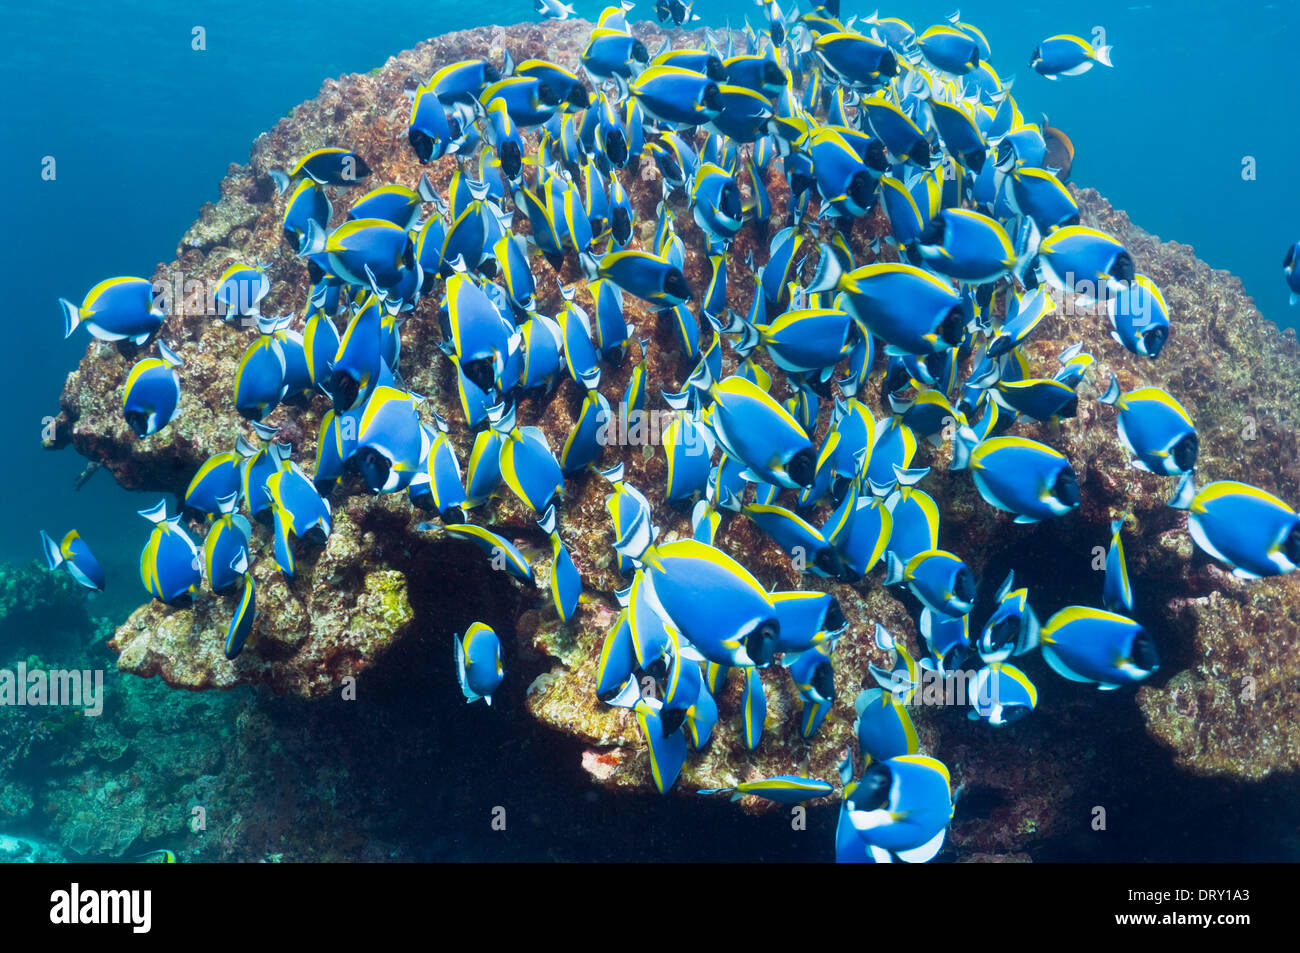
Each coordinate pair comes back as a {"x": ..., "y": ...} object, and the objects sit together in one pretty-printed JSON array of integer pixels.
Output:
[
  {"x": 53, "y": 555},
  {"x": 72, "y": 315}
]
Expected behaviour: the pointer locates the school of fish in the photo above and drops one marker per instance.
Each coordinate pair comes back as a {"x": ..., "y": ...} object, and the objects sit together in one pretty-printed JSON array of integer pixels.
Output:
[{"x": 853, "y": 114}]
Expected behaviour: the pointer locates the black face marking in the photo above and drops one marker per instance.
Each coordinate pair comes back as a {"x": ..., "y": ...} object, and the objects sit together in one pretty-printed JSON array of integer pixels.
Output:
[
  {"x": 676, "y": 286},
  {"x": 963, "y": 585},
  {"x": 512, "y": 160},
  {"x": 862, "y": 190},
  {"x": 374, "y": 468},
  {"x": 344, "y": 388},
  {"x": 823, "y": 680},
  {"x": 621, "y": 223},
  {"x": 834, "y": 619},
  {"x": 760, "y": 644},
  {"x": 873, "y": 792},
  {"x": 1185, "y": 452},
  {"x": 1066, "y": 488},
  {"x": 953, "y": 328},
  {"x": 671, "y": 719},
  {"x": 802, "y": 467},
  {"x": 1144, "y": 653},
  {"x": 1124, "y": 269},
  {"x": 829, "y": 562},
  {"x": 422, "y": 143},
  {"x": 1154, "y": 340},
  {"x": 139, "y": 422}
]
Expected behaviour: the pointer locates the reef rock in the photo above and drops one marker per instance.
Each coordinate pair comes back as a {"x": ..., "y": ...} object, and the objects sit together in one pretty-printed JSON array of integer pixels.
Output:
[{"x": 379, "y": 579}]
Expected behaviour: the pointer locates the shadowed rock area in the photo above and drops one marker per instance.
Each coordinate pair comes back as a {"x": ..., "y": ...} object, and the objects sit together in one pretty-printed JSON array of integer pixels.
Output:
[{"x": 1223, "y": 704}]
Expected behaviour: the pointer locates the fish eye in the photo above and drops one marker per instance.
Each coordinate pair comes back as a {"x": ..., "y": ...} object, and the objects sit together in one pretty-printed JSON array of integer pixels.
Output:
[
  {"x": 896, "y": 378},
  {"x": 953, "y": 328},
  {"x": 671, "y": 719},
  {"x": 713, "y": 97},
  {"x": 639, "y": 52},
  {"x": 761, "y": 643},
  {"x": 1154, "y": 341},
  {"x": 876, "y": 159},
  {"x": 834, "y": 619},
  {"x": 873, "y": 792},
  {"x": 547, "y": 95},
  {"x": 1013, "y": 714},
  {"x": 963, "y": 586},
  {"x": 480, "y": 372},
  {"x": 139, "y": 422},
  {"x": 729, "y": 200},
  {"x": 772, "y": 75},
  {"x": 1066, "y": 488},
  {"x": 1144, "y": 653},
  {"x": 578, "y": 97},
  {"x": 1185, "y": 452},
  {"x": 823, "y": 681},
  {"x": 889, "y": 64},
  {"x": 616, "y": 147},
  {"x": 1003, "y": 633},
  {"x": 453, "y": 514},
  {"x": 374, "y": 468},
  {"x": 861, "y": 188},
  {"x": 622, "y": 225},
  {"x": 676, "y": 286},
  {"x": 1124, "y": 269},
  {"x": 829, "y": 562},
  {"x": 511, "y": 159},
  {"x": 715, "y": 71},
  {"x": 802, "y": 467},
  {"x": 491, "y": 74},
  {"x": 658, "y": 669},
  {"x": 1291, "y": 546}
]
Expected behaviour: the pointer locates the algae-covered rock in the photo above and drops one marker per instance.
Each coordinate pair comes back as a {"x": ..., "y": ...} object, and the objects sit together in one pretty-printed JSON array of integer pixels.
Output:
[{"x": 380, "y": 580}]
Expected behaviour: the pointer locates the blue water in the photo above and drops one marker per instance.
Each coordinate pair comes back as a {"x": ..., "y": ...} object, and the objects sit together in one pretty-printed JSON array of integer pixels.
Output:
[{"x": 142, "y": 128}]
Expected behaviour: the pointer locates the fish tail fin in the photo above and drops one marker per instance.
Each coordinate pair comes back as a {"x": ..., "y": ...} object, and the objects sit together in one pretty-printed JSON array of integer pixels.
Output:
[
  {"x": 547, "y": 523},
  {"x": 53, "y": 554},
  {"x": 507, "y": 64},
  {"x": 830, "y": 273},
  {"x": 1186, "y": 492},
  {"x": 677, "y": 400},
  {"x": 894, "y": 571},
  {"x": 156, "y": 513},
  {"x": 701, "y": 378},
  {"x": 1102, "y": 55},
  {"x": 750, "y": 338},
  {"x": 590, "y": 266},
  {"x": 614, "y": 474},
  {"x": 313, "y": 242},
  {"x": 1112, "y": 392},
  {"x": 281, "y": 181},
  {"x": 502, "y": 419},
  {"x": 426, "y": 189},
  {"x": 72, "y": 316},
  {"x": 963, "y": 443}
]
